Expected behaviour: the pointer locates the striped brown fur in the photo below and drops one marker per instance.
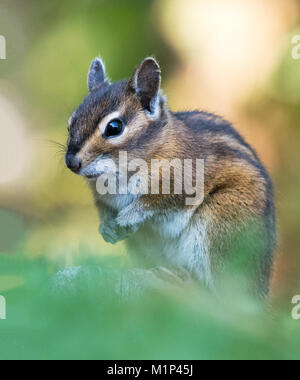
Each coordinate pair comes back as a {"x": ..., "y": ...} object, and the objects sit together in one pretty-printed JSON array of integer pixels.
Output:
[{"x": 237, "y": 217}]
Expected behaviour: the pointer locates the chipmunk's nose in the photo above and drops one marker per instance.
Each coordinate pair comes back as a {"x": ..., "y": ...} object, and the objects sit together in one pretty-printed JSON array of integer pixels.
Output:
[{"x": 73, "y": 163}]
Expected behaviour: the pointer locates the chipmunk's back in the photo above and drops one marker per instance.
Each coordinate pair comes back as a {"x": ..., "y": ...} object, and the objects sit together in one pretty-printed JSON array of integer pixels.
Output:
[{"x": 239, "y": 191}]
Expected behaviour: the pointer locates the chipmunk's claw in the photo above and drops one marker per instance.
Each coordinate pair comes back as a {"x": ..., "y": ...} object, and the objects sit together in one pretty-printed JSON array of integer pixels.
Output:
[{"x": 113, "y": 233}]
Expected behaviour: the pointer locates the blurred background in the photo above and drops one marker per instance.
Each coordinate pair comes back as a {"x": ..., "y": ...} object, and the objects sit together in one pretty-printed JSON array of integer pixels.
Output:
[{"x": 233, "y": 58}]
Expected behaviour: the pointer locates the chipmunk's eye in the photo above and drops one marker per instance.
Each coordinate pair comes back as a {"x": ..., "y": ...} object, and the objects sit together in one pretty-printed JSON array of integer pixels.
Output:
[{"x": 114, "y": 128}]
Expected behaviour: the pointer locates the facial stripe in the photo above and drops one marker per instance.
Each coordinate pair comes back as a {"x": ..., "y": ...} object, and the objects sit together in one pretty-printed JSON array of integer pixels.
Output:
[{"x": 97, "y": 144}]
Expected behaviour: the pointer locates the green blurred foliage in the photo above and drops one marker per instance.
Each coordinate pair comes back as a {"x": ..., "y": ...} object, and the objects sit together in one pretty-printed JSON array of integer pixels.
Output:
[
  {"x": 12, "y": 230},
  {"x": 89, "y": 320}
]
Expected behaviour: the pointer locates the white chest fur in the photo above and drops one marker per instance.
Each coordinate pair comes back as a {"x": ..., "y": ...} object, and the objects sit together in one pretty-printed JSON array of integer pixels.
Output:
[
  {"x": 118, "y": 202},
  {"x": 177, "y": 239}
]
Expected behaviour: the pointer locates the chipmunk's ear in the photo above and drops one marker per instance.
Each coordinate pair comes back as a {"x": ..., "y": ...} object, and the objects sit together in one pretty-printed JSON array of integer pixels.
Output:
[
  {"x": 96, "y": 76},
  {"x": 146, "y": 84}
]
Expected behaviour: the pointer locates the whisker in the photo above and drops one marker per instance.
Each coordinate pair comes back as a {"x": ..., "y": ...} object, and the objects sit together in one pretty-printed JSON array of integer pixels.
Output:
[{"x": 62, "y": 147}]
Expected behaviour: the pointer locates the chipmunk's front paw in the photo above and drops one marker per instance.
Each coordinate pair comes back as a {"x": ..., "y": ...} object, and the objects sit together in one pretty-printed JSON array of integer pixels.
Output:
[{"x": 113, "y": 233}]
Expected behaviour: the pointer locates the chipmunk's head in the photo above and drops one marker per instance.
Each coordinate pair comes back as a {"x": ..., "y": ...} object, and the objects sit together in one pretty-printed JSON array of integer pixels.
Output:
[{"x": 115, "y": 117}]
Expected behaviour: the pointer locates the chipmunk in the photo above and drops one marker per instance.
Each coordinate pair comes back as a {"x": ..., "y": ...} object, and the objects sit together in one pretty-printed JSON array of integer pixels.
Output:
[{"x": 235, "y": 220}]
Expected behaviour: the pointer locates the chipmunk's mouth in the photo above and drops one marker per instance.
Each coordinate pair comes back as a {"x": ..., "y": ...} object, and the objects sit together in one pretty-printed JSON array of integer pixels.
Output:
[
  {"x": 102, "y": 165},
  {"x": 95, "y": 176},
  {"x": 92, "y": 176}
]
